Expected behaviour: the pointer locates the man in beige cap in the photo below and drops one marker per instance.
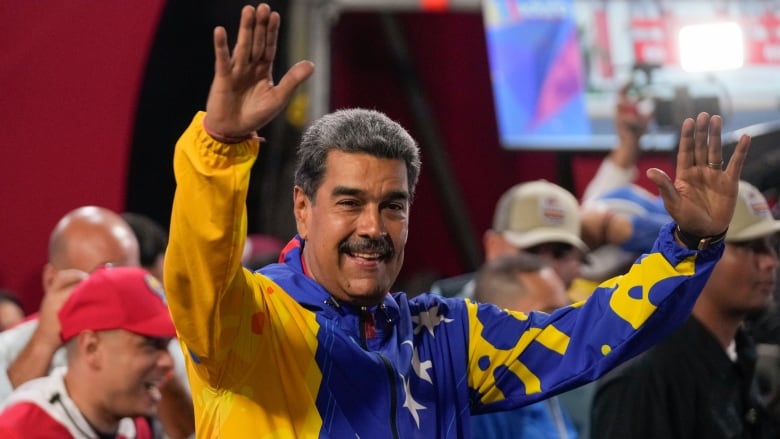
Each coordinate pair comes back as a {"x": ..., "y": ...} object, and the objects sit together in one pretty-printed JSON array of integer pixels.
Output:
[
  {"x": 536, "y": 217},
  {"x": 699, "y": 381}
]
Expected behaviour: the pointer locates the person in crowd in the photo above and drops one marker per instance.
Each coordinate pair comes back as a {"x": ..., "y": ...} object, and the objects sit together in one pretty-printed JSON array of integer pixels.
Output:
[
  {"x": 699, "y": 382},
  {"x": 618, "y": 225},
  {"x": 152, "y": 240},
  {"x": 764, "y": 327},
  {"x": 11, "y": 311},
  {"x": 317, "y": 346},
  {"x": 536, "y": 217},
  {"x": 522, "y": 282},
  {"x": 619, "y": 167},
  {"x": 116, "y": 328},
  {"x": 83, "y": 240}
]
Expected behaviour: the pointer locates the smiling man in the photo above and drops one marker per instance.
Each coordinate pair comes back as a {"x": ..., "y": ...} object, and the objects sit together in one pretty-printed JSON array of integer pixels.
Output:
[
  {"x": 116, "y": 329},
  {"x": 317, "y": 345},
  {"x": 360, "y": 212}
]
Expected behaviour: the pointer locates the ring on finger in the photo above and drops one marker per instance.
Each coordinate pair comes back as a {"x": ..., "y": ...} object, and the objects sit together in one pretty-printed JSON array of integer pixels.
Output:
[{"x": 714, "y": 165}]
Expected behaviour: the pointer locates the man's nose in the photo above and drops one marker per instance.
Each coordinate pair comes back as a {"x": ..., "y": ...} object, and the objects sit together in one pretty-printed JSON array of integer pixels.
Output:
[
  {"x": 370, "y": 223},
  {"x": 165, "y": 360}
]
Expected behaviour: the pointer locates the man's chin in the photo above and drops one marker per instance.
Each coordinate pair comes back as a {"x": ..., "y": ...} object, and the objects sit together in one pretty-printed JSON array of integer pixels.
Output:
[{"x": 366, "y": 294}]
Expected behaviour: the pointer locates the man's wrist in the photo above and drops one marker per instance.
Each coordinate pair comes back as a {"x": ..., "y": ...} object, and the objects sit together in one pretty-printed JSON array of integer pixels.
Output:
[
  {"x": 228, "y": 139},
  {"x": 699, "y": 243},
  {"x": 45, "y": 339}
]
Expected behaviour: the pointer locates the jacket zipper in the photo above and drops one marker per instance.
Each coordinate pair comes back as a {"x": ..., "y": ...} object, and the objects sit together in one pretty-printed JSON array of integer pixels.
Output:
[
  {"x": 365, "y": 320},
  {"x": 393, "y": 399}
]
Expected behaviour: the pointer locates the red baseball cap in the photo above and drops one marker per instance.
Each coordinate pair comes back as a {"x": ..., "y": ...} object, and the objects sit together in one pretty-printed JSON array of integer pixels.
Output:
[{"x": 126, "y": 298}]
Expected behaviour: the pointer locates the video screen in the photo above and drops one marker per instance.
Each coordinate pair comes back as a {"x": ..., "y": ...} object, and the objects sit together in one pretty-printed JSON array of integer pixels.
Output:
[{"x": 557, "y": 66}]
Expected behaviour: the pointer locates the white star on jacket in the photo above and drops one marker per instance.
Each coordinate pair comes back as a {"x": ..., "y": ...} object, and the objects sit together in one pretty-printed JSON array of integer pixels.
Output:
[
  {"x": 428, "y": 319},
  {"x": 411, "y": 404},
  {"x": 421, "y": 368}
]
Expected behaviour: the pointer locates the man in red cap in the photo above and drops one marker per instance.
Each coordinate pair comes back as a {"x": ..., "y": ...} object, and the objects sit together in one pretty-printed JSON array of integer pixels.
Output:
[{"x": 116, "y": 328}]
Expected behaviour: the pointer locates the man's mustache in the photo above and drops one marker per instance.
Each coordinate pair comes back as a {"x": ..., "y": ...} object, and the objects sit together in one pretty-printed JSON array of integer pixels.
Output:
[{"x": 383, "y": 246}]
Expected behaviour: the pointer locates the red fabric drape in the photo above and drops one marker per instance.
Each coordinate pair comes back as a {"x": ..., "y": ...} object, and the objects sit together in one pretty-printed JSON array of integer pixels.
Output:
[{"x": 70, "y": 79}]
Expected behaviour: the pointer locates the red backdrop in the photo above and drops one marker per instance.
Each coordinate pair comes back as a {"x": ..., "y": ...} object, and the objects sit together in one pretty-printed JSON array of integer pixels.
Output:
[{"x": 70, "y": 75}]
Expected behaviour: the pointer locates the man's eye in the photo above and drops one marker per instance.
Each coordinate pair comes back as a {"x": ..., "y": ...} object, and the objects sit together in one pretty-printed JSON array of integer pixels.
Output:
[{"x": 348, "y": 203}]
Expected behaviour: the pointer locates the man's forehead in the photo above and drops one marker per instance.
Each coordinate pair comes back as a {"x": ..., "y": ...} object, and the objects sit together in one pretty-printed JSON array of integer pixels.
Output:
[
  {"x": 358, "y": 170},
  {"x": 759, "y": 240},
  {"x": 336, "y": 155},
  {"x": 89, "y": 258}
]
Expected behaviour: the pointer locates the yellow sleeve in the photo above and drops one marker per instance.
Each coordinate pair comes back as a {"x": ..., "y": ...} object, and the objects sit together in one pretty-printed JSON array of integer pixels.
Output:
[{"x": 204, "y": 280}]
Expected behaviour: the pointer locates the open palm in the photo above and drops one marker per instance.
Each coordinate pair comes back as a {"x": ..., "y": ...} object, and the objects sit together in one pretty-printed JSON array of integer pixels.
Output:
[
  {"x": 703, "y": 195},
  {"x": 243, "y": 97}
]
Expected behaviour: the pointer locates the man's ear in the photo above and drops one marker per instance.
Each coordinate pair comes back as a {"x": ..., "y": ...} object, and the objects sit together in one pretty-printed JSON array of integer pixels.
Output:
[
  {"x": 47, "y": 276},
  {"x": 89, "y": 347},
  {"x": 302, "y": 211},
  {"x": 496, "y": 245}
]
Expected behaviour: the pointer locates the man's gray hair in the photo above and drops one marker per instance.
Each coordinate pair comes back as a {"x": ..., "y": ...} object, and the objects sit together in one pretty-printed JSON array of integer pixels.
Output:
[{"x": 354, "y": 130}]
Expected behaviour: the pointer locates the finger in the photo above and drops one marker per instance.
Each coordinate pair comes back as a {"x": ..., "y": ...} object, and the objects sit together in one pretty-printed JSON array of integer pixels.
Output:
[
  {"x": 259, "y": 35},
  {"x": 665, "y": 188},
  {"x": 714, "y": 149},
  {"x": 271, "y": 37},
  {"x": 737, "y": 160},
  {"x": 221, "y": 52},
  {"x": 68, "y": 278},
  {"x": 700, "y": 139},
  {"x": 243, "y": 47},
  {"x": 293, "y": 78},
  {"x": 685, "y": 151}
]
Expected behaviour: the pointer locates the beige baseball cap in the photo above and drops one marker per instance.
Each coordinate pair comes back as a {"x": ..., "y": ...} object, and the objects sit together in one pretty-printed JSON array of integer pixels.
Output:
[
  {"x": 752, "y": 218},
  {"x": 538, "y": 212}
]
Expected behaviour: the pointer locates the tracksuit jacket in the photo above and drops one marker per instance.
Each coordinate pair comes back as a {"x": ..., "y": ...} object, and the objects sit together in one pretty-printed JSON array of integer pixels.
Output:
[{"x": 273, "y": 354}]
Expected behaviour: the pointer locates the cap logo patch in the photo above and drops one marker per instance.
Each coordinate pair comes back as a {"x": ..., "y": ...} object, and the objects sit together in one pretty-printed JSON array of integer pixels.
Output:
[
  {"x": 552, "y": 211},
  {"x": 155, "y": 287},
  {"x": 757, "y": 205}
]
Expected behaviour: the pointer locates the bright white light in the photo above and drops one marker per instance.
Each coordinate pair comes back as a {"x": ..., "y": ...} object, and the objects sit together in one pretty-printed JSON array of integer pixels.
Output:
[{"x": 713, "y": 46}]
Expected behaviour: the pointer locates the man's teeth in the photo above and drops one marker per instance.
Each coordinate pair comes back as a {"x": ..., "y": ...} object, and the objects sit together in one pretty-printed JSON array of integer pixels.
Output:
[
  {"x": 153, "y": 391},
  {"x": 367, "y": 255}
]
